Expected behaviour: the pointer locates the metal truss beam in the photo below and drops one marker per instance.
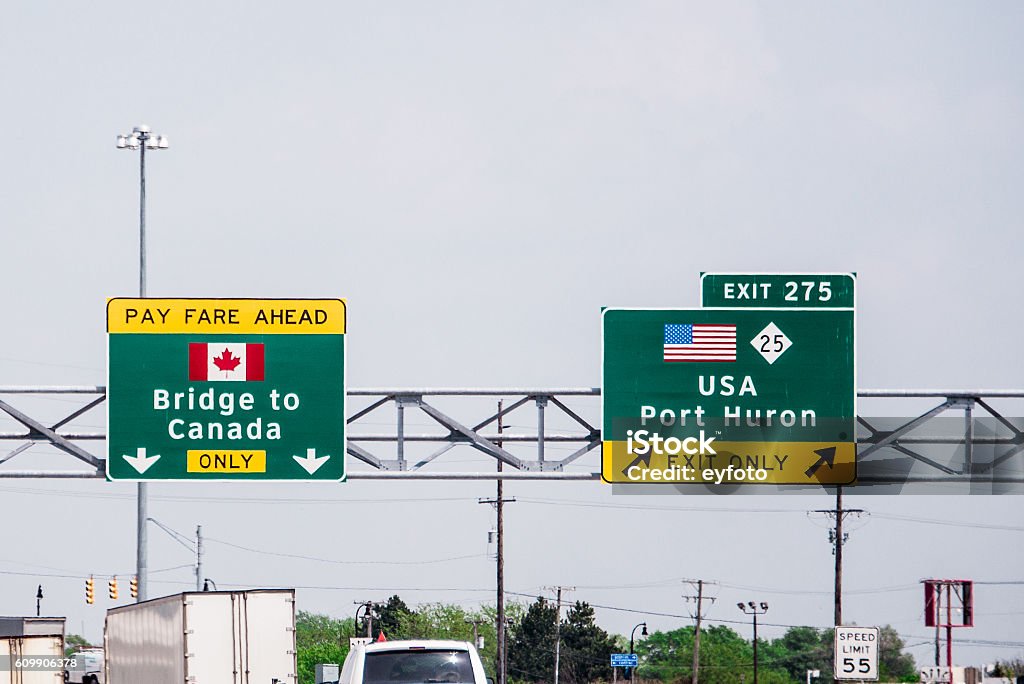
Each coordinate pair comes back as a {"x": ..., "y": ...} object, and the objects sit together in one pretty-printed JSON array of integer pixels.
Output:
[{"x": 559, "y": 420}]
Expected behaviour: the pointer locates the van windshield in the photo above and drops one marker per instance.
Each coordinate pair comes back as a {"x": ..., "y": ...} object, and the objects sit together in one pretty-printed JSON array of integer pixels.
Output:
[{"x": 421, "y": 665}]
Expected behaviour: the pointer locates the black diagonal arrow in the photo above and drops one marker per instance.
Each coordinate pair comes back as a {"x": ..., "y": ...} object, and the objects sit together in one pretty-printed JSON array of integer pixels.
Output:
[
  {"x": 826, "y": 455},
  {"x": 645, "y": 459}
]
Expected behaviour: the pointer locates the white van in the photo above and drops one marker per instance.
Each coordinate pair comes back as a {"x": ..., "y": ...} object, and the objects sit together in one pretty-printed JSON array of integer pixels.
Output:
[
  {"x": 416, "y": 661},
  {"x": 88, "y": 668}
]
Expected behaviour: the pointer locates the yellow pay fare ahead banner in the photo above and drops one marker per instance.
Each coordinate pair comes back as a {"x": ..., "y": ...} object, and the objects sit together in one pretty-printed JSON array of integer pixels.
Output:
[
  {"x": 732, "y": 463},
  {"x": 227, "y": 316}
]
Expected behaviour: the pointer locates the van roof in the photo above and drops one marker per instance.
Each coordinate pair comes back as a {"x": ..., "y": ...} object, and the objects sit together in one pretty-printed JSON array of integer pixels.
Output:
[{"x": 417, "y": 644}]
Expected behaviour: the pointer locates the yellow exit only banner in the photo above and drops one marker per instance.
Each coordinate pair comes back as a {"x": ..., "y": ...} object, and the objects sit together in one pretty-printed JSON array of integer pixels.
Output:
[{"x": 796, "y": 463}]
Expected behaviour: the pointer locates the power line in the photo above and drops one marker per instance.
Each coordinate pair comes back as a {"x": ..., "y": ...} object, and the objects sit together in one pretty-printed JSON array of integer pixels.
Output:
[
  {"x": 84, "y": 575},
  {"x": 70, "y": 493},
  {"x": 342, "y": 562},
  {"x": 741, "y": 510},
  {"x": 801, "y": 592},
  {"x": 535, "y": 500},
  {"x": 174, "y": 534}
]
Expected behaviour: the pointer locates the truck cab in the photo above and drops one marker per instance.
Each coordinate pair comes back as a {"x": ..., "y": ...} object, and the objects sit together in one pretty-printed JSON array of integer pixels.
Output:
[{"x": 415, "y": 661}]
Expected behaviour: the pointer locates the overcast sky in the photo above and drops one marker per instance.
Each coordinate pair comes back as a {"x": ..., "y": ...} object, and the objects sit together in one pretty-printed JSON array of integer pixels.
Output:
[{"x": 477, "y": 180}]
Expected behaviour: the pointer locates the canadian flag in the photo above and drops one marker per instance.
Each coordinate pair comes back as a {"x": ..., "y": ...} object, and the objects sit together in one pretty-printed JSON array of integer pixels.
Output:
[{"x": 225, "y": 362}]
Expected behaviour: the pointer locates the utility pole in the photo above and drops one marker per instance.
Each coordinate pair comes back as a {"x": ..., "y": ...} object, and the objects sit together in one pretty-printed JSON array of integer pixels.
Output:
[
  {"x": 838, "y": 597},
  {"x": 558, "y": 624},
  {"x": 39, "y": 600},
  {"x": 838, "y": 538},
  {"x": 476, "y": 631},
  {"x": 199, "y": 557},
  {"x": 698, "y": 616},
  {"x": 499, "y": 504},
  {"x": 369, "y": 616}
]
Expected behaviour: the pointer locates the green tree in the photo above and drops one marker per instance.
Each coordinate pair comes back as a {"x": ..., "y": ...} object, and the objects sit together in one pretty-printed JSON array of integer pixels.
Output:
[
  {"x": 893, "y": 663},
  {"x": 585, "y": 647},
  {"x": 725, "y": 657},
  {"x": 531, "y": 646},
  {"x": 438, "y": 621},
  {"x": 308, "y": 658},
  {"x": 320, "y": 639},
  {"x": 74, "y": 642},
  {"x": 1008, "y": 668},
  {"x": 798, "y": 650},
  {"x": 388, "y": 617}
]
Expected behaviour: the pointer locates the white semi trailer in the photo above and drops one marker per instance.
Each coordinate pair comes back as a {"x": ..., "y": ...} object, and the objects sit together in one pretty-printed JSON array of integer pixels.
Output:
[
  {"x": 31, "y": 650},
  {"x": 215, "y": 637}
]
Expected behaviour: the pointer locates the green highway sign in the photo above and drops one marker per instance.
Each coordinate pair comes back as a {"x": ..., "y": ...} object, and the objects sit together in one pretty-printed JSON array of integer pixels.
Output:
[
  {"x": 764, "y": 290},
  {"x": 226, "y": 389},
  {"x": 718, "y": 395}
]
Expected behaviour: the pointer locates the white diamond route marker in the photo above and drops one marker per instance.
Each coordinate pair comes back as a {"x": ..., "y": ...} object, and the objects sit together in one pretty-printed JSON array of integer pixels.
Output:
[{"x": 771, "y": 343}]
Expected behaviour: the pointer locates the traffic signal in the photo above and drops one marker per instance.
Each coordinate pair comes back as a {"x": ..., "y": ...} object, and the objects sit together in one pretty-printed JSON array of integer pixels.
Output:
[
  {"x": 112, "y": 588},
  {"x": 90, "y": 591},
  {"x": 134, "y": 586}
]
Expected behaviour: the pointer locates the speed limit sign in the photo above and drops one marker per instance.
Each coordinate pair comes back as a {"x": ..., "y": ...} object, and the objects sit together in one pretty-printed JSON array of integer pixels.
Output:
[{"x": 856, "y": 653}]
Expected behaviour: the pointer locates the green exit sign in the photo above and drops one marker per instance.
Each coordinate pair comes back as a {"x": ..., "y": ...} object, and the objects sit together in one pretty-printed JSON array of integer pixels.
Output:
[
  {"x": 736, "y": 396},
  {"x": 769, "y": 290},
  {"x": 226, "y": 389}
]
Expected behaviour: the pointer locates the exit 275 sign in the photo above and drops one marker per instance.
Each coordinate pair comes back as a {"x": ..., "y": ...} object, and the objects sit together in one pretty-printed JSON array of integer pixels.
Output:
[{"x": 226, "y": 389}]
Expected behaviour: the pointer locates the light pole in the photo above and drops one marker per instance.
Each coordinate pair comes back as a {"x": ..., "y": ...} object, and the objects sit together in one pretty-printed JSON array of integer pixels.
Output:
[
  {"x": 754, "y": 610},
  {"x": 142, "y": 139},
  {"x": 632, "y": 634}
]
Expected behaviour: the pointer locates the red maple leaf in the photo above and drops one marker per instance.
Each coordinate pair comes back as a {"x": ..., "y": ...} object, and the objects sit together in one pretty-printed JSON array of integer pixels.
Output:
[{"x": 226, "y": 361}]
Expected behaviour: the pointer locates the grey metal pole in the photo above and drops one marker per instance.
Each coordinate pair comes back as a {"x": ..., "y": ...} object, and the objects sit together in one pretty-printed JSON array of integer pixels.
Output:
[
  {"x": 755, "y": 646},
  {"x": 500, "y": 505},
  {"x": 558, "y": 631},
  {"x": 142, "y": 491},
  {"x": 199, "y": 557},
  {"x": 542, "y": 402},
  {"x": 143, "y": 139}
]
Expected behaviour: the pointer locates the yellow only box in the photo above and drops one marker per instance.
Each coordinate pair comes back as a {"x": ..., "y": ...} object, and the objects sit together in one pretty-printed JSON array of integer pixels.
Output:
[
  {"x": 220, "y": 316},
  {"x": 217, "y": 461}
]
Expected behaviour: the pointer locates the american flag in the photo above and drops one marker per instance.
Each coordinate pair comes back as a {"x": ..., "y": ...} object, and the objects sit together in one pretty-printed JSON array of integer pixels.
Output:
[{"x": 699, "y": 342}]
